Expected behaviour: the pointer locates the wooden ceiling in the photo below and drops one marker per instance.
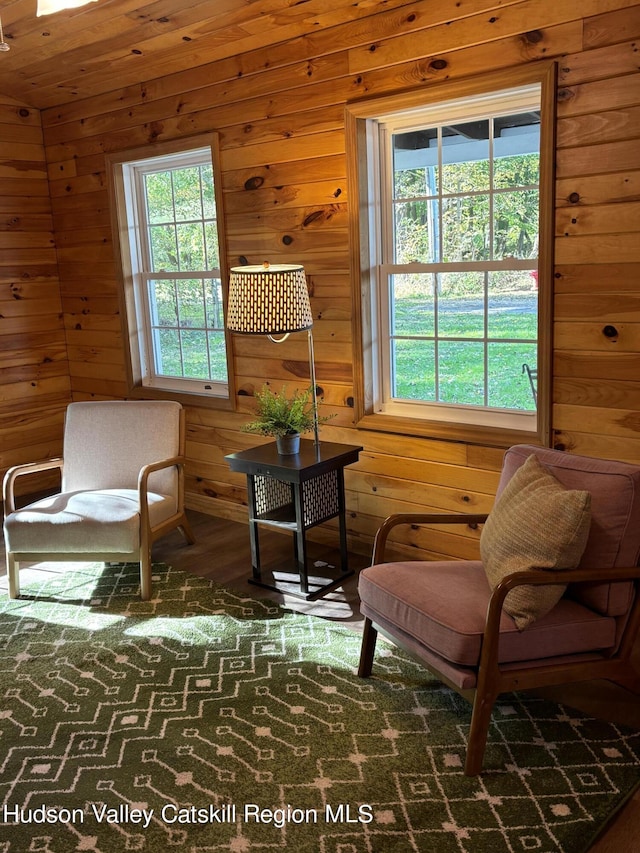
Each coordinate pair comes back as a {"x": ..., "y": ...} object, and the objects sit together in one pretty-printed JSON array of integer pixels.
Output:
[{"x": 109, "y": 44}]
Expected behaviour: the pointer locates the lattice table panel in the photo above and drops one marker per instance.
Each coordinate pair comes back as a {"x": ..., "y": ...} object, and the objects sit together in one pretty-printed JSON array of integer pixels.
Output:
[
  {"x": 320, "y": 498},
  {"x": 271, "y": 495}
]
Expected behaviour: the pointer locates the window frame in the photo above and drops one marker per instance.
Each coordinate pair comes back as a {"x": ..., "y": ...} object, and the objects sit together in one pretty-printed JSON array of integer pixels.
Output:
[
  {"x": 364, "y": 190},
  {"x": 129, "y": 248}
]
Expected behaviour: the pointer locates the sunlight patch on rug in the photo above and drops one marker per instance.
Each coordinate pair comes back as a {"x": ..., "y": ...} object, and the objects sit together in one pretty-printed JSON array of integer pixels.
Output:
[{"x": 206, "y": 720}]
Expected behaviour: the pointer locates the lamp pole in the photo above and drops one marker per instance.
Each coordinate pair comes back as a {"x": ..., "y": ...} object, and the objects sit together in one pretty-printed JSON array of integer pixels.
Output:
[{"x": 314, "y": 395}]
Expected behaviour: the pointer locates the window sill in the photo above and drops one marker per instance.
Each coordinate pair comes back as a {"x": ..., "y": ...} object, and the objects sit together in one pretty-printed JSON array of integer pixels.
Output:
[
  {"x": 449, "y": 431},
  {"x": 203, "y": 401}
]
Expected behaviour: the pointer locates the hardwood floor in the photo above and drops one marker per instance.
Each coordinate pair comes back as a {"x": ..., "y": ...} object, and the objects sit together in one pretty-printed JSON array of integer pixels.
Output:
[{"x": 222, "y": 553}]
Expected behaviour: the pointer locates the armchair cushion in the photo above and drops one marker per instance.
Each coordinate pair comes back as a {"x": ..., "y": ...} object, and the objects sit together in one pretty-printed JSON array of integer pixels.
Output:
[
  {"x": 102, "y": 521},
  {"x": 442, "y": 607},
  {"x": 106, "y": 444},
  {"x": 614, "y": 540},
  {"x": 536, "y": 524}
]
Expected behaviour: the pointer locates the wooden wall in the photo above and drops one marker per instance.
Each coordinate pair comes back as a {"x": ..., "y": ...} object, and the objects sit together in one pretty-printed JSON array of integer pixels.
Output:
[
  {"x": 34, "y": 372},
  {"x": 280, "y": 113}
]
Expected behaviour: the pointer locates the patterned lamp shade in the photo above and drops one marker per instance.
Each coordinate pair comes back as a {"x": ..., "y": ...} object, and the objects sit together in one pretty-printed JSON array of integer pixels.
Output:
[{"x": 268, "y": 300}]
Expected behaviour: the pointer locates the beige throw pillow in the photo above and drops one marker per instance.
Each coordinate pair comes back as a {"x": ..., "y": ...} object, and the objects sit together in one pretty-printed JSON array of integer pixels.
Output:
[{"x": 535, "y": 524}]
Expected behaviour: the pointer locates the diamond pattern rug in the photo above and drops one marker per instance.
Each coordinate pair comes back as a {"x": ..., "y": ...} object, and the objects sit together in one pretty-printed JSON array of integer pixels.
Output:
[{"x": 204, "y": 721}]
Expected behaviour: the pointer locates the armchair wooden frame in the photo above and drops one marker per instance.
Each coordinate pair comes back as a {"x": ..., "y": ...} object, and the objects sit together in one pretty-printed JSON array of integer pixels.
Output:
[
  {"x": 148, "y": 532},
  {"x": 615, "y": 665}
]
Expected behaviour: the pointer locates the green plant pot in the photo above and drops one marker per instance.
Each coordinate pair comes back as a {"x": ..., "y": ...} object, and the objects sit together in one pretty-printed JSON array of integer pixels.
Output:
[{"x": 288, "y": 445}]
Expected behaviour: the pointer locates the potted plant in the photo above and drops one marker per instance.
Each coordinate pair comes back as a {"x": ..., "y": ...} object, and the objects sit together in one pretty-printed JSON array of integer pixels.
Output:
[{"x": 283, "y": 417}]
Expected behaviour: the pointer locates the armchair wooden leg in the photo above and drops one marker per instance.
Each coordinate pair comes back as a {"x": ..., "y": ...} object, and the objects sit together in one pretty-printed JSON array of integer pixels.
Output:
[
  {"x": 13, "y": 575},
  {"x": 145, "y": 574},
  {"x": 630, "y": 679},
  {"x": 185, "y": 528},
  {"x": 480, "y": 720},
  {"x": 367, "y": 650}
]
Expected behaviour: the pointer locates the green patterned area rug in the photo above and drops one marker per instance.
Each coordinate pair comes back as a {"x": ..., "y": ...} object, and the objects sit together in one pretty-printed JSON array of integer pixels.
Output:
[{"x": 206, "y": 721}]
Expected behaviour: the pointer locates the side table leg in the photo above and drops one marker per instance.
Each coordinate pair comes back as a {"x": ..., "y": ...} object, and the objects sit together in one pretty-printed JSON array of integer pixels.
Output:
[
  {"x": 344, "y": 557},
  {"x": 253, "y": 529},
  {"x": 300, "y": 540}
]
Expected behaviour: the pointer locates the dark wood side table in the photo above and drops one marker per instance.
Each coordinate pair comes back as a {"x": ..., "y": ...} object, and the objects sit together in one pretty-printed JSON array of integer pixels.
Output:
[{"x": 296, "y": 493}]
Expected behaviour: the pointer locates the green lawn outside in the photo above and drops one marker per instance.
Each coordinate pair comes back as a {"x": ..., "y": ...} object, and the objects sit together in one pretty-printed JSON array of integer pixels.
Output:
[
  {"x": 511, "y": 336},
  {"x": 511, "y": 342}
]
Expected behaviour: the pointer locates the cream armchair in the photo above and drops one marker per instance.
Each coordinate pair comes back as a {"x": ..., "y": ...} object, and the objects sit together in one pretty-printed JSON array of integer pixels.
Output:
[{"x": 122, "y": 488}]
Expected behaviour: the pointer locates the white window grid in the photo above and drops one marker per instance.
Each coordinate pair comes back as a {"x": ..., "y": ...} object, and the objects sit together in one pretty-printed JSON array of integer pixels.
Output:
[
  {"x": 489, "y": 107},
  {"x": 146, "y": 275}
]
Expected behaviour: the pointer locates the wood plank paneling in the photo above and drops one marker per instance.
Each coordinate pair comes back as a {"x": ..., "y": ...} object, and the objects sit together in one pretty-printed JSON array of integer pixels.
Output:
[
  {"x": 504, "y": 20},
  {"x": 34, "y": 370}
]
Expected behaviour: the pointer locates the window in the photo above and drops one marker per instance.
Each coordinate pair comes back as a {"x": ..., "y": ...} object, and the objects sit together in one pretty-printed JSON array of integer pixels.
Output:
[
  {"x": 170, "y": 238},
  {"x": 454, "y": 222}
]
